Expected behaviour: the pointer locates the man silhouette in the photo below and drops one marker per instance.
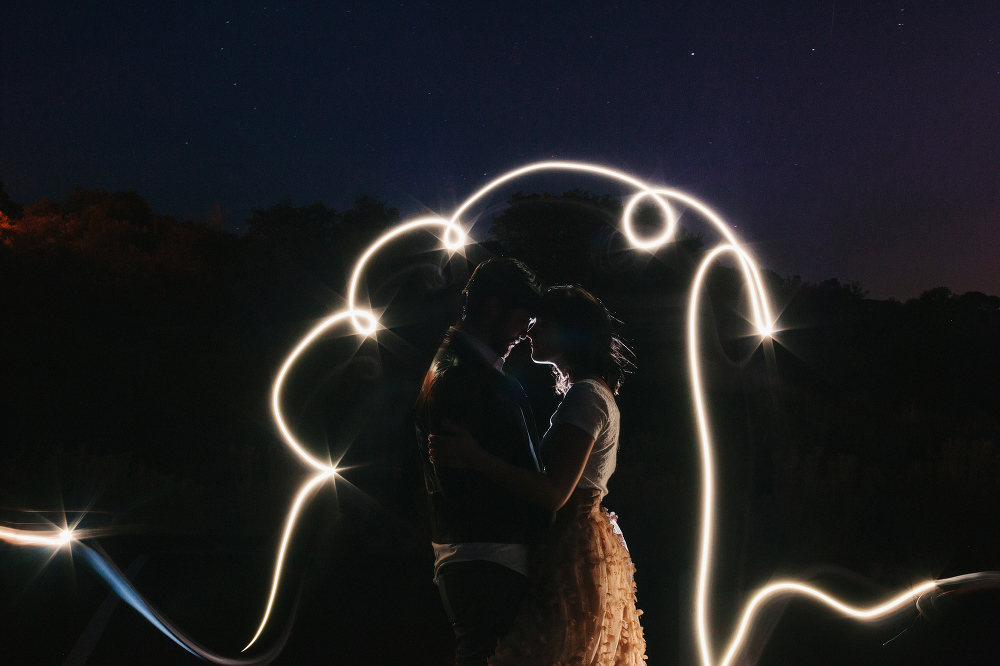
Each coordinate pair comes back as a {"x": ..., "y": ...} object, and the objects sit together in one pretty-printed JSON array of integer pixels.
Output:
[{"x": 481, "y": 534}]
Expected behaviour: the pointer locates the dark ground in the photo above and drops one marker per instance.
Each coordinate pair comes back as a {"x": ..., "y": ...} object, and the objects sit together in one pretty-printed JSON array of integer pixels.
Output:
[{"x": 369, "y": 609}]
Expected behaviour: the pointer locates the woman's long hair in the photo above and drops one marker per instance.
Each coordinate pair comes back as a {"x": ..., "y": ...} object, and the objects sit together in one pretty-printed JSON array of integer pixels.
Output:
[{"x": 585, "y": 334}]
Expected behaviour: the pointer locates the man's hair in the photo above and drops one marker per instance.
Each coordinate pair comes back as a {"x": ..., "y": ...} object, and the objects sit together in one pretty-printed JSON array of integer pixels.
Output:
[{"x": 508, "y": 280}]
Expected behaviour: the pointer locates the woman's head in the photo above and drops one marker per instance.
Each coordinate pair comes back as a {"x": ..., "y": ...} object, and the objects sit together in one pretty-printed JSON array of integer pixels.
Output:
[{"x": 575, "y": 334}]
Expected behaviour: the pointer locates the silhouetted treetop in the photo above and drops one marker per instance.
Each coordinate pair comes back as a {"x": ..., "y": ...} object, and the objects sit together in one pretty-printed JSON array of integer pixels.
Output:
[
  {"x": 284, "y": 223},
  {"x": 368, "y": 218},
  {"x": 123, "y": 206},
  {"x": 9, "y": 207},
  {"x": 108, "y": 230},
  {"x": 317, "y": 226},
  {"x": 558, "y": 235},
  {"x": 575, "y": 237}
]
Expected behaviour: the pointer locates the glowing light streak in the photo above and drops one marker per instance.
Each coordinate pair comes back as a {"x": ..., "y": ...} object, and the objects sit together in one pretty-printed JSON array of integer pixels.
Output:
[
  {"x": 120, "y": 585},
  {"x": 454, "y": 238},
  {"x": 704, "y": 432},
  {"x": 293, "y": 515},
  {"x": 708, "y": 493},
  {"x": 789, "y": 587},
  {"x": 36, "y": 537},
  {"x": 366, "y": 323},
  {"x": 279, "y": 381},
  {"x": 117, "y": 581},
  {"x": 668, "y": 230}
]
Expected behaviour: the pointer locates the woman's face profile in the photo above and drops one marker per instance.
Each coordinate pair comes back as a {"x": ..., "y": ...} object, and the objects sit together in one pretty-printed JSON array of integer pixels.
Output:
[{"x": 544, "y": 348}]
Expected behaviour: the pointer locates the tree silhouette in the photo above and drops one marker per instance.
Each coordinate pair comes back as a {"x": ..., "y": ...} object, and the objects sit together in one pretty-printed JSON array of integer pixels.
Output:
[{"x": 9, "y": 207}]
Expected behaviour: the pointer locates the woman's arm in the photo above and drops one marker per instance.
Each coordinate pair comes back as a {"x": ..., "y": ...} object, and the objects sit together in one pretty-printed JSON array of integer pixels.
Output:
[{"x": 570, "y": 449}]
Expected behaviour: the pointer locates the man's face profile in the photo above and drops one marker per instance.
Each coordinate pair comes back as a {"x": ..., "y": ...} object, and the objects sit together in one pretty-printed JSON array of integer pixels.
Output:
[
  {"x": 507, "y": 325},
  {"x": 515, "y": 327}
]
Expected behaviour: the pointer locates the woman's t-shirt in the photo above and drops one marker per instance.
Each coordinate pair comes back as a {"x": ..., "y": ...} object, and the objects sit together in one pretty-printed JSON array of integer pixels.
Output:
[{"x": 590, "y": 406}]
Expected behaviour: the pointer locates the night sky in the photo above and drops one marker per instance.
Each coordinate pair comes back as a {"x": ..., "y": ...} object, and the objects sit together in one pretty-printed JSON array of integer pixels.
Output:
[{"x": 852, "y": 141}]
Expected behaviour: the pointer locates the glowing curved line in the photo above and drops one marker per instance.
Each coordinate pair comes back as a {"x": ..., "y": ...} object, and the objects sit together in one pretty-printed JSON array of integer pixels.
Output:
[
  {"x": 542, "y": 166},
  {"x": 789, "y": 587},
  {"x": 454, "y": 238},
  {"x": 668, "y": 230},
  {"x": 707, "y": 459},
  {"x": 452, "y": 230},
  {"x": 293, "y": 515},
  {"x": 758, "y": 295},
  {"x": 120, "y": 584},
  {"x": 286, "y": 366},
  {"x": 365, "y": 323},
  {"x": 708, "y": 493}
]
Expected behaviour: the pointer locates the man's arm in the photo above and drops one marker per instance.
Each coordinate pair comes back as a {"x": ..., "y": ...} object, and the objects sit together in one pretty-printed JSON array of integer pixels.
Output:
[{"x": 571, "y": 447}]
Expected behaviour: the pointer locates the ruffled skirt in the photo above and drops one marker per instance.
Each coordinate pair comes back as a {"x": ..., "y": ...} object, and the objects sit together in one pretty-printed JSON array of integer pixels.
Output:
[{"x": 581, "y": 609}]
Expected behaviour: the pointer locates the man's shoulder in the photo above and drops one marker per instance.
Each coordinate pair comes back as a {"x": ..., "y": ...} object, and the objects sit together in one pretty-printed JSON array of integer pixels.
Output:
[
  {"x": 455, "y": 357},
  {"x": 454, "y": 368}
]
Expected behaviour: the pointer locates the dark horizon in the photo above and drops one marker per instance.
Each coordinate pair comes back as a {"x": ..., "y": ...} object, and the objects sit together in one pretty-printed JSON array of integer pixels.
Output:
[{"x": 480, "y": 232}]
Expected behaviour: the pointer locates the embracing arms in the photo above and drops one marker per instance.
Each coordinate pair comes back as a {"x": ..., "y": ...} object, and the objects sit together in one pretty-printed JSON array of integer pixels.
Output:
[{"x": 571, "y": 447}]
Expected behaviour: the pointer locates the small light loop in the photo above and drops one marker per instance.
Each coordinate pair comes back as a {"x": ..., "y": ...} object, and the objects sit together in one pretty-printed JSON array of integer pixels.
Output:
[
  {"x": 454, "y": 238},
  {"x": 369, "y": 326},
  {"x": 668, "y": 212}
]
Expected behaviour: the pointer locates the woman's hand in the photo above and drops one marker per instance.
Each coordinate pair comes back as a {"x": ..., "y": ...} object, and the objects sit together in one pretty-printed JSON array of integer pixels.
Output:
[{"x": 455, "y": 448}]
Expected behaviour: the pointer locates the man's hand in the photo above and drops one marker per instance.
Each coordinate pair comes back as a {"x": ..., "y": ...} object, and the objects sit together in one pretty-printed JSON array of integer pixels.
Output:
[
  {"x": 456, "y": 447},
  {"x": 584, "y": 501}
]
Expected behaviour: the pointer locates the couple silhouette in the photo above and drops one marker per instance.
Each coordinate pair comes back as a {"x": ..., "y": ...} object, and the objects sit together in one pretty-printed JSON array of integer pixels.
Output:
[{"x": 530, "y": 568}]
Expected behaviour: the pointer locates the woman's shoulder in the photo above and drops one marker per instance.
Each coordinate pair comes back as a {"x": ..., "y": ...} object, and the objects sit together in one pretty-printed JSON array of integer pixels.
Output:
[
  {"x": 591, "y": 389},
  {"x": 590, "y": 394}
]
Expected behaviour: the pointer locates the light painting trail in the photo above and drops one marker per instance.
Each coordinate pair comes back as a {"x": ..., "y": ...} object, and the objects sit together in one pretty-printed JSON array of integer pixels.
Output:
[
  {"x": 35, "y": 537},
  {"x": 365, "y": 323},
  {"x": 117, "y": 581}
]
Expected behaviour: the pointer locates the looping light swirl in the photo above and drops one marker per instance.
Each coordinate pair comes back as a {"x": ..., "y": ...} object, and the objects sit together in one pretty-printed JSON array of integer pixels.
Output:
[{"x": 453, "y": 237}]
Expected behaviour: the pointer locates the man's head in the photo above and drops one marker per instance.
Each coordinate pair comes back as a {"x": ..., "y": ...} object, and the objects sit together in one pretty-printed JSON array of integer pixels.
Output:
[{"x": 500, "y": 299}]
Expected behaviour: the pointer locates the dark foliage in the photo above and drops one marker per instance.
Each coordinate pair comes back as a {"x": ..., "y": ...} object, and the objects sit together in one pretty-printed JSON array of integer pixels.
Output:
[{"x": 9, "y": 207}]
